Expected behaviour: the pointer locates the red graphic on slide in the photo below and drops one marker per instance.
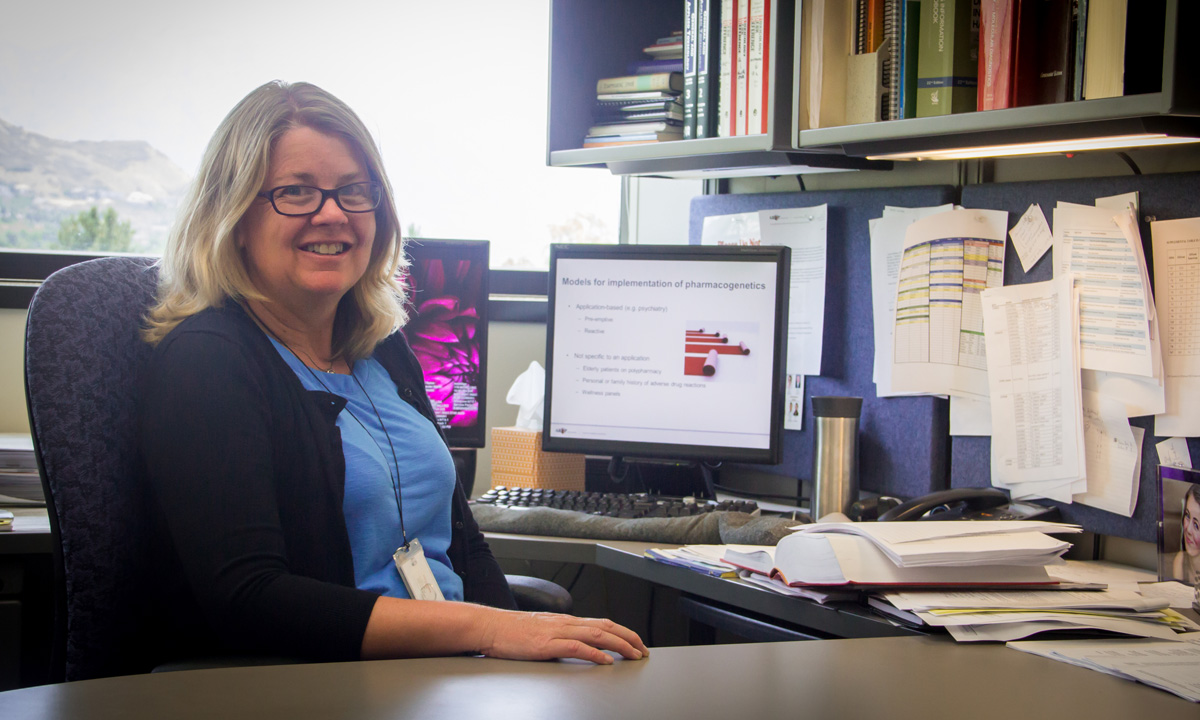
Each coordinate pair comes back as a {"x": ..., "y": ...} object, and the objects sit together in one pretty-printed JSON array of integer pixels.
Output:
[{"x": 701, "y": 350}]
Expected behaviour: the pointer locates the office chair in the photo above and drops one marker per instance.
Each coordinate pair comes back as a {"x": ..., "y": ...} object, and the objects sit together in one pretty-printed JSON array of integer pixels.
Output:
[{"x": 83, "y": 360}]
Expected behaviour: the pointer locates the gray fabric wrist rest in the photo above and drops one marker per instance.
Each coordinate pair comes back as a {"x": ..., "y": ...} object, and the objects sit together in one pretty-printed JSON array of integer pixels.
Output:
[{"x": 717, "y": 528}]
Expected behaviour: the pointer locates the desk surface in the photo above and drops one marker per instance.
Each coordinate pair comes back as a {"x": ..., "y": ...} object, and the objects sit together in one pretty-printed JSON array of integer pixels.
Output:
[
  {"x": 626, "y": 557},
  {"x": 865, "y": 678},
  {"x": 30, "y": 533}
]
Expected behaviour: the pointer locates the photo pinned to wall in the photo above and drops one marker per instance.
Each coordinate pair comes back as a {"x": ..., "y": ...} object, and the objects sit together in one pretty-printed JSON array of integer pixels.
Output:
[
  {"x": 793, "y": 418},
  {"x": 1179, "y": 531}
]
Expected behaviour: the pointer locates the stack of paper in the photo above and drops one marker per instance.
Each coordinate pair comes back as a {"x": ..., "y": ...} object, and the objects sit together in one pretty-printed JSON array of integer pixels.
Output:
[
  {"x": 701, "y": 558},
  {"x": 19, "y": 480},
  {"x": 1170, "y": 666},
  {"x": 948, "y": 543},
  {"x": 1003, "y": 616}
]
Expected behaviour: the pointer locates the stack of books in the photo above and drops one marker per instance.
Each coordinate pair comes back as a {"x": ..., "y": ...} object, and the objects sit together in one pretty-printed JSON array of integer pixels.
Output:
[
  {"x": 643, "y": 106},
  {"x": 20, "y": 484},
  {"x": 924, "y": 554}
]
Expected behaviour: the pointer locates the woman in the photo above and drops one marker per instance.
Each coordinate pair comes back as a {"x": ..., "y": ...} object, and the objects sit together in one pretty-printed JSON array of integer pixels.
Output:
[
  {"x": 1186, "y": 565},
  {"x": 287, "y": 438}
]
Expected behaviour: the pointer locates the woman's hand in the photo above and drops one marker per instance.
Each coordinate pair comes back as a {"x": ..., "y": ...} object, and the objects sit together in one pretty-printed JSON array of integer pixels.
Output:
[{"x": 546, "y": 636}]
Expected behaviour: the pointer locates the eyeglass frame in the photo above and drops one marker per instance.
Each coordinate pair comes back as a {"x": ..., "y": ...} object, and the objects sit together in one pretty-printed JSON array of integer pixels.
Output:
[{"x": 269, "y": 195}]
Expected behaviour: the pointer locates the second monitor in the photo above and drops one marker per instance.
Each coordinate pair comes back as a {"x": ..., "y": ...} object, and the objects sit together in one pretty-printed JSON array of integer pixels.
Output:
[{"x": 671, "y": 352}]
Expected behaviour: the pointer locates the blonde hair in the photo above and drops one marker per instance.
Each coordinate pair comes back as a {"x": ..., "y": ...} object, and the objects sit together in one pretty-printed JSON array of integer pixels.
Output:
[{"x": 202, "y": 266}]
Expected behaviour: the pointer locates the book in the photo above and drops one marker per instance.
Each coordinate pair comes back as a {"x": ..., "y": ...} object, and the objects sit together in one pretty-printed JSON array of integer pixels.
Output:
[
  {"x": 948, "y": 60},
  {"x": 640, "y": 83},
  {"x": 997, "y": 38},
  {"x": 910, "y": 34},
  {"x": 643, "y": 96},
  {"x": 852, "y": 560},
  {"x": 740, "y": 82},
  {"x": 666, "y": 47},
  {"x": 635, "y": 127},
  {"x": 873, "y": 18},
  {"x": 708, "y": 72},
  {"x": 690, "y": 10},
  {"x": 727, "y": 98},
  {"x": 638, "y": 139},
  {"x": 893, "y": 36},
  {"x": 6, "y": 520},
  {"x": 1044, "y": 53},
  {"x": 645, "y": 67},
  {"x": 1104, "y": 63},
  {"x": 1079, "y": 9},
  {"x": 620, "y": 116},
  {"x": 758, "y": 67}
]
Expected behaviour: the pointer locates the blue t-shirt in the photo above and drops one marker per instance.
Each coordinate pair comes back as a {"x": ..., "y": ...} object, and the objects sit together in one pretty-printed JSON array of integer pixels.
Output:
[{"x": 426, "y": 480}]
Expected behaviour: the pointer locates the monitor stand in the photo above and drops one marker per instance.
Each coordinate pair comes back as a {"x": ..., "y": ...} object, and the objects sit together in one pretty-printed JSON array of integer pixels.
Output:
[{"x": 666, "y": 477}]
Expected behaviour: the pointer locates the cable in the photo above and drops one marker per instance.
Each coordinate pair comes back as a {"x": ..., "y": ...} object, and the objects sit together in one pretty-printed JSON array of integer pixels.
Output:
[
  {"x": 800, "y": 179},
  {"x": 1129, "y": 161},
  {"x": 575, "y": 580}
]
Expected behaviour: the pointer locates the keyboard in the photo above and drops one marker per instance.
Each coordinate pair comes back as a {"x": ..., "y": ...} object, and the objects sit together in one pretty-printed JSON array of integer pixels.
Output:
[{"x": 618, "y": 505}]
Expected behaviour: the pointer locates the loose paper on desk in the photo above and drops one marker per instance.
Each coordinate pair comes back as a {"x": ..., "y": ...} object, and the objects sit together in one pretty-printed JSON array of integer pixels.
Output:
[
  {"x": 1031, "y": 236},
  {"x": 887, "y": 248},
  {"x": 1092, "y": 249},
  {"x": 1176, "y": 246},
  {"x": 1170, "y": 666},
  {"x": 1174, "y": 451},
  {"x": 949, "y": 259},
  {"x": 804, "y": 230},
  {"x": 1037, "y": 421},
  {"x": 1113, "y": 455}
]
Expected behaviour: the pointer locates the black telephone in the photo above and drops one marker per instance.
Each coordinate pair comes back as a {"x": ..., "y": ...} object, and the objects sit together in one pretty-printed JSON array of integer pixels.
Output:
[{"x": 961, "y": 504}]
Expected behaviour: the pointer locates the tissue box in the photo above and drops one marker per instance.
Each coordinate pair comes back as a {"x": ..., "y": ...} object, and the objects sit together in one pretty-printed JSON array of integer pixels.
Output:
[{"x": 518, "y": 461}]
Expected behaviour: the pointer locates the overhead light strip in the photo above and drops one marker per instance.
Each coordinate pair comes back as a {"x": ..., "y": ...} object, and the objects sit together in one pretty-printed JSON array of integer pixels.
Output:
[{"x": 1040, "y": 148}]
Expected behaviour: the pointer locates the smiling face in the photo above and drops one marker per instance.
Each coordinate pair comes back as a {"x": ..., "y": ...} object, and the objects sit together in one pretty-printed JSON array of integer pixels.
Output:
[
  {"x": 1191, "y": 526},
  {"x": 308, "y": 263}
]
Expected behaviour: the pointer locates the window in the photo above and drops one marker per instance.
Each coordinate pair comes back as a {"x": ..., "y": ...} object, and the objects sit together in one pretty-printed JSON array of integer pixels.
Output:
[{"x": 110, "y": 106}]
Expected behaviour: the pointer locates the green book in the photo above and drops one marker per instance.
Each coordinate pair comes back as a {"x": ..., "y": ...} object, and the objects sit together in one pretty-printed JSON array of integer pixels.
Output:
[{"x": 948, "y": 60}]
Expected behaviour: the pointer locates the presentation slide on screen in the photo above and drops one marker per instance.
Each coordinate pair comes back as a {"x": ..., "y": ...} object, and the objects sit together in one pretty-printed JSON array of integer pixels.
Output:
[{"x": 675, "y": 352}]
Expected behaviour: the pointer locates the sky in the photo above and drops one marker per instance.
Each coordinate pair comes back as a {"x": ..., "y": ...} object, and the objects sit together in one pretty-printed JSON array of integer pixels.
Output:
[{"x": 454, "y": 93}]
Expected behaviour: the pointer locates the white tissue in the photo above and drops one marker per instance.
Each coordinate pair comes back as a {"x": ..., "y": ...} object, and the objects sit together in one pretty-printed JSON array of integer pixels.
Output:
[{"x": 528, "y": 392}]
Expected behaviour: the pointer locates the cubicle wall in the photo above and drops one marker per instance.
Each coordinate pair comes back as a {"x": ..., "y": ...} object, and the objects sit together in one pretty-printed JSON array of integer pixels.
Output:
[
  {"x": 1163, "y": 197},
  {"x": 904, "y": 444}
]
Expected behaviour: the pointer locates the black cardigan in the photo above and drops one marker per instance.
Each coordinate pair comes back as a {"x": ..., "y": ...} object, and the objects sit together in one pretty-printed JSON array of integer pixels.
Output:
[{"x": 246, "y": 469}]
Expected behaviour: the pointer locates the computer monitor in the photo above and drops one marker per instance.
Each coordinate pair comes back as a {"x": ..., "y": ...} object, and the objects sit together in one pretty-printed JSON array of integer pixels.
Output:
[
  {"x": 671, "y": 352},
  {"x": 447, "y": 328}
]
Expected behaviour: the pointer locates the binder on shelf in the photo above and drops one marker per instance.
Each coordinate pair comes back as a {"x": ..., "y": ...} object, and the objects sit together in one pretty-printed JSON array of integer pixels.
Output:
[
  {"x": 727, "y": 99},
  {"x": 708, "y": 73},
  {"x": 691, "y": 9},
  {"x": 758, "y": 67},
  {"x": 741, "y": 84}
]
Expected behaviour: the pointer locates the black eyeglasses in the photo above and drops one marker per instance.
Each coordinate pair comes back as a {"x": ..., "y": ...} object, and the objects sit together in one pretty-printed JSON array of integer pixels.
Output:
[{"x": 294, "y": 200}]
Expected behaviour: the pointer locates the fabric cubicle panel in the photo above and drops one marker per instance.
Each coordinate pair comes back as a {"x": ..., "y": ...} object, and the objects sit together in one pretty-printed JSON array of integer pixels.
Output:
[
  {"x": 1162, "y": 197},
  {"x": 903, "y": 442}
]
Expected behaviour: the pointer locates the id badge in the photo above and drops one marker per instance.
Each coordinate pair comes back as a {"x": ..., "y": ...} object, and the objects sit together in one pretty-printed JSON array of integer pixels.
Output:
[{"x": 415, "y": 572}]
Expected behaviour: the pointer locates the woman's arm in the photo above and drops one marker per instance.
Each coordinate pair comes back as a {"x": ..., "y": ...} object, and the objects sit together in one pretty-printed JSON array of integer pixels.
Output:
[{"x": 419, "y": 628}]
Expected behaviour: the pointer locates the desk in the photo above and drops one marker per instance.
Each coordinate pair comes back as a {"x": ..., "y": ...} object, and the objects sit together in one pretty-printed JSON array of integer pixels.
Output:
[
  {"x": 26, "y": 598},
  {"x": 839, "y": 621},
  {"x": 927, "y": 678}
]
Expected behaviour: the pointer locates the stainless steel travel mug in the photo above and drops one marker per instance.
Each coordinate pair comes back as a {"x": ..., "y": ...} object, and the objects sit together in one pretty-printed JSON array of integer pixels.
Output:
[{"x": 835, "y": 454}]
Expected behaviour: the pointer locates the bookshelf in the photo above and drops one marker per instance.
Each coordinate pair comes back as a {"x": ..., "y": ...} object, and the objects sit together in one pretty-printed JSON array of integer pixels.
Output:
[{"x": 591, "y": 39}]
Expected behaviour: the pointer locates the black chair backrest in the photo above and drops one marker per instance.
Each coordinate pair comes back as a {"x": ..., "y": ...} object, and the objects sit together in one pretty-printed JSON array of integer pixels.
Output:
[{"x": 83, "y": 360}]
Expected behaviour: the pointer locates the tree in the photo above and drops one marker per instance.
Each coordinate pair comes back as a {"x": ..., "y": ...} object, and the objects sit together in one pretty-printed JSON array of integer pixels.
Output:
[{"x": 89, "y": 230}]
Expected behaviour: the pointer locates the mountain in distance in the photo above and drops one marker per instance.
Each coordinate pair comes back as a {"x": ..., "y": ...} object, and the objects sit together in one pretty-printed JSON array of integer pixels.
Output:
[{"x": 44, "y": 180}]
